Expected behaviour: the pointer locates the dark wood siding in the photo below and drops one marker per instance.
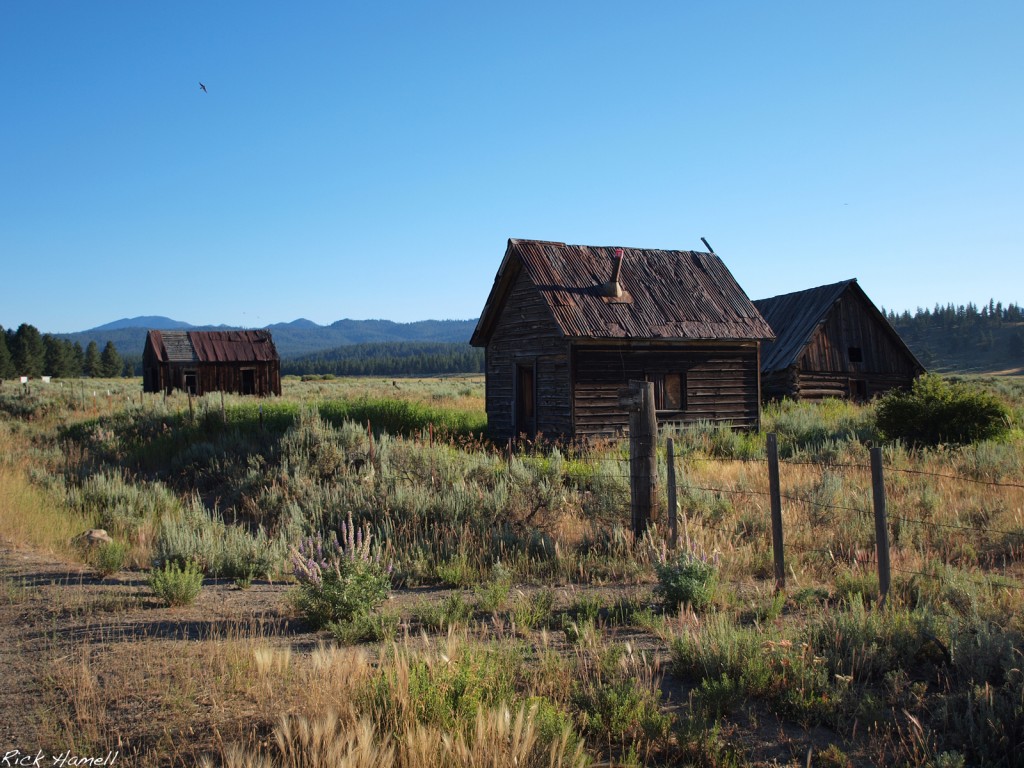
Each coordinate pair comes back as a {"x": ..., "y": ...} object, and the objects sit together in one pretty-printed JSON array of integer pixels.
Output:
[
  {"x": 721, "y": 382},
  {"x": 826, "y": 368},
  {"x": 526, "y": 333},
  {"x": 264, "y": 380}
]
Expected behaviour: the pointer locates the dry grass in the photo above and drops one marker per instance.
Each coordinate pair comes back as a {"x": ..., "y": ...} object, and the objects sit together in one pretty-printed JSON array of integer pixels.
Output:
[
  {"x": 34, "y": 516},
  {"x": 115, "y": 671}
]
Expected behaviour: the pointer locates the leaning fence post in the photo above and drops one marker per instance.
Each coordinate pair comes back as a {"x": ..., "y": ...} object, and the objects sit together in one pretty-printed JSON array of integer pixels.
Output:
[
  {"x": 881, "y": 525},
  {"x": 673, "y": 504},
  {"x": 776, "y": 508}
]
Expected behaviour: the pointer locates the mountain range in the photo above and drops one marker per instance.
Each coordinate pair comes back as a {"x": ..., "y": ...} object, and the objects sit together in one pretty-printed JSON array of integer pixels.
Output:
[{"x": 299, "y": 337}]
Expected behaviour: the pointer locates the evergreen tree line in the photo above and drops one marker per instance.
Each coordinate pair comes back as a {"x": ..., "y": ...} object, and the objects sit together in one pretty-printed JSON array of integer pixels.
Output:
[
  {"x": 993, "y": 314},
  {"x": 26, "y": 352},
  {"x": 400, "y": 358},
  {"x": 964, "y": 335}
]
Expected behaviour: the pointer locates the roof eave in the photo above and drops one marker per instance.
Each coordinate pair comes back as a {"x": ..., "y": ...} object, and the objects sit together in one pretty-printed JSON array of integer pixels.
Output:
[{"x": 500, "y": 289}]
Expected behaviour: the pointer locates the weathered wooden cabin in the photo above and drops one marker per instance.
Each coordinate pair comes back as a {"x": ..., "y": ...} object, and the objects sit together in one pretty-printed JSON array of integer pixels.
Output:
[
  {"x": 832, "y": 341},
  {"x": 244, "y": 362},
  {"x": 565, "y": 327}
]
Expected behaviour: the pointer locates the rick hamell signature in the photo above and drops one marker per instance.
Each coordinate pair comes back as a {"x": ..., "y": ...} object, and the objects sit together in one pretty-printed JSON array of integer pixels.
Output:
[{"x": 15, "y": 757}]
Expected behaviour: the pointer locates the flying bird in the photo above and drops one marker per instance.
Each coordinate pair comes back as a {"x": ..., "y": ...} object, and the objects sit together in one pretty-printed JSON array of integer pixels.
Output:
[{"x": 203, "y": 88}]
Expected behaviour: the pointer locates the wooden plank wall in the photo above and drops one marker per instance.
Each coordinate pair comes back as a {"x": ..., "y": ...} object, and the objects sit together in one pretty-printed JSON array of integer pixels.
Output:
[
  {"x": 217, "y": 377},
  {"x": 851, "y": 324},
  {"x": 721, "y": 383},
  {"x": 526, "y": 333},
  {"x": 825, "y": 369}
]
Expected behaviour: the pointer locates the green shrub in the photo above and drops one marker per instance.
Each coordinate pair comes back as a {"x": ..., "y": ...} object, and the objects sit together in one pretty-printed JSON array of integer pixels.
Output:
[
  {"x": 445, "y": 692},
  {"x": 200, "y": 536},
  {"x": 618, "y": 701},
  {"x": 492, "y": 596},
  {"x": 109, "y": 558},
  {"x": 686, "y": 579},
  {"x": 338, "y": 582},
  {"x": 936, "y": 410},
  {"x": 176, "y": 585},
  {"x": 445, "y": 614},
  {"x": 364, "y": 628},
  {"x": 534, "y": 611}
]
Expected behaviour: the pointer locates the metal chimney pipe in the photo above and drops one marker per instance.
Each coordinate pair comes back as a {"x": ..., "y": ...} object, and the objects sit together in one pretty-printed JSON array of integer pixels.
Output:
[{"x": 612, "y": 287}]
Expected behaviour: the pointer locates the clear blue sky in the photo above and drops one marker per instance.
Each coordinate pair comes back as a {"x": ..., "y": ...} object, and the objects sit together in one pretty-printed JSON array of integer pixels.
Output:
[{"x": 370, "y": 160}]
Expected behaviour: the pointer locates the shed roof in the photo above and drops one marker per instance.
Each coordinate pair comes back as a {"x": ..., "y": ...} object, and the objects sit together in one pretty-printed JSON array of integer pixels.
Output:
[
  {"x": 669, "y": 295},
  {"x": 796, "y": 316},
  {"x": 213, "y": 346}
]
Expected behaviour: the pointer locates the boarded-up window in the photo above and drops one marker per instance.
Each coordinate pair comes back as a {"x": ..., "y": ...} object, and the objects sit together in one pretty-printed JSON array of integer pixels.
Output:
[{"x": 669, "y": 391}]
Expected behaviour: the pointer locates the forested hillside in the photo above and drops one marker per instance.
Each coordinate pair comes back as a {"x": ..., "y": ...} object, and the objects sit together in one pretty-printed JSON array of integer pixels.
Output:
[
  {"x": 946, "y": 339},
  {"x": 294, "y": 339},
  {"x": 965, "y": 339},
  {"x": 392, "y": 359}
]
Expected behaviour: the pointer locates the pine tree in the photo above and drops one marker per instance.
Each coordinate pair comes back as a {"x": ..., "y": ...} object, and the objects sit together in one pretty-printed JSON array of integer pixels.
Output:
[
  {"x": 56, "y": 354},
  {"x": 77, "y": 360},
  {"x": 6, "y": 366},
  {"x": 111, "y": 364},
  {"x": 29, "y": 352},
  {"x": 93, "y": 365}
]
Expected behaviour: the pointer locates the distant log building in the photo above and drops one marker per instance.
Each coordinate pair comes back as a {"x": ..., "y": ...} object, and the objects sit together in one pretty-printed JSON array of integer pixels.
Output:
[
  {"x": 832, "y": 341},
  {"x": 565, "y": 327},
  {"x": 243, "y": 362}
]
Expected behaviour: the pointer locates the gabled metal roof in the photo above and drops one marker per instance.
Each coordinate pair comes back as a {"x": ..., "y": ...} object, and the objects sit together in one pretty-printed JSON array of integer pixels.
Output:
[
  {"x": 212, "y": 346},
  {"x": 796, "y": 316},
  {"x": 667, "y": 295}
]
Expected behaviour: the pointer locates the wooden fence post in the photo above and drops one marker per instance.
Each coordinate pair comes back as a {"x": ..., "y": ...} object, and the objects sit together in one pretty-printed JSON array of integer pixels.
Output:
[
  {"x": 776, "y": 509},
  {"x": 881, "y": 525},
  {"x": 673, "y": 502},
  {"x": 643, "y": 456}
]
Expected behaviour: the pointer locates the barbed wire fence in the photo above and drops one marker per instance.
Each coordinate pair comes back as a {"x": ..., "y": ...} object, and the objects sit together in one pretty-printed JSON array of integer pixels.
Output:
[{"x": 876, "y": 497}]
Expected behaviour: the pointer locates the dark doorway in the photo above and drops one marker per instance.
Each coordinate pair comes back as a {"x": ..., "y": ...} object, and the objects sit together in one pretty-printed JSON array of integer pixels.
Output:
[
  {"x": 859, "y": 390},
  {"x": 526, "y": 396},
  {"x": 191, "y": 382},
  {"x": 248, "y": 381}
]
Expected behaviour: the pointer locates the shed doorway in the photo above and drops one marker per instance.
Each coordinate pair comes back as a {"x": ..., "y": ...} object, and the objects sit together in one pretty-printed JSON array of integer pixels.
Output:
[
  {"x": 191, "y": 382},
  {"x": 248, "y": 381},
  {"x": 526, "y": 400}
]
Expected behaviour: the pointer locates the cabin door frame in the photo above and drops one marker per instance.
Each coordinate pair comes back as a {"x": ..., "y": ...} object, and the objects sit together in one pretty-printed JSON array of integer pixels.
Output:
[
  {"x": 524, "y": 413},
  {"x": 248, "y": 381}
]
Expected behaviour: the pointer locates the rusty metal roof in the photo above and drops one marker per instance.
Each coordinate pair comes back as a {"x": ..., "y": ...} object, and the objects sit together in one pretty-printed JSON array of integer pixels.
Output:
[
  {"x": 213, "y": 346},
  {"x": 667, "y": 295}
]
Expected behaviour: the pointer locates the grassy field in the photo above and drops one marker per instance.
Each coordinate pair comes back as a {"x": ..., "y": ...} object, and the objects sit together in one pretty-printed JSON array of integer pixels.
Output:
[{"x": 524, "y": 626}]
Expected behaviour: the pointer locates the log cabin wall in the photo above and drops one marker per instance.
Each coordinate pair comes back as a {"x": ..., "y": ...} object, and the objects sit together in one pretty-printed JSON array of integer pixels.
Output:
[
  {"x": 572, "y": 324},
  {"x": 526, "y": 334},
  {"x": 263, "y": 380},
  {"x": 851, "y": 355},
  {"x": 720, "y": 383},
  {"x": 831, "y": 341},
  {"x": 241, "y": 362}
]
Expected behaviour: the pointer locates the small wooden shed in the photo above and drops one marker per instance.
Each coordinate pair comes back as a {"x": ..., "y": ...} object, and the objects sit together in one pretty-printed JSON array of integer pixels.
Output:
[
  {"x": 832, "y": 341},
  {"x": 243, "y": 362},
  {"x": 565, "y": 327}
]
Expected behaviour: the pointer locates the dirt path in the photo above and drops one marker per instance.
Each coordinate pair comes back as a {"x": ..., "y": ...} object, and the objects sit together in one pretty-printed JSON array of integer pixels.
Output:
[{"x": 51, "y": 608}]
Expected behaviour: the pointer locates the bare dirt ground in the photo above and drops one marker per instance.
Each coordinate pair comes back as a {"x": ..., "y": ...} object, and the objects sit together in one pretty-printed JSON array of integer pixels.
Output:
[{"x": 56, "y": 613}]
